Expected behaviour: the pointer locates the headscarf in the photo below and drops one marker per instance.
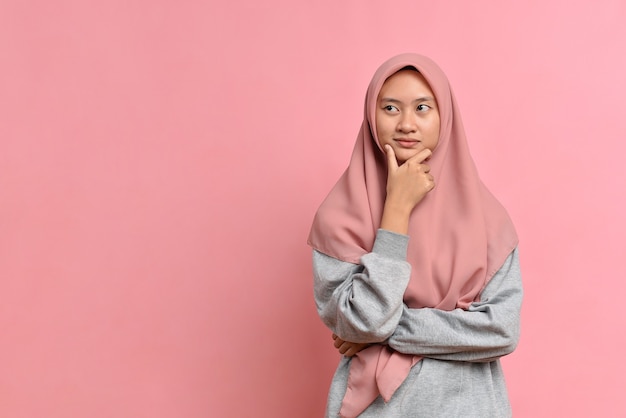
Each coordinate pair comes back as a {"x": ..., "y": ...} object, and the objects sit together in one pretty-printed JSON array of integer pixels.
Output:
[{"x": 460, "y": 235}]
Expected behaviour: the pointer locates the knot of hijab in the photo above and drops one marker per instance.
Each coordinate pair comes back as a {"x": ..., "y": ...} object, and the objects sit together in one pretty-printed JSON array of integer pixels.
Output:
[{"x": 459, "y": 233}]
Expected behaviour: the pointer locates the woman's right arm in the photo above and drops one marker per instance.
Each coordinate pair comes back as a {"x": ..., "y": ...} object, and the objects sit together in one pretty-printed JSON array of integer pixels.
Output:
[{"x": 362, "y": 303}]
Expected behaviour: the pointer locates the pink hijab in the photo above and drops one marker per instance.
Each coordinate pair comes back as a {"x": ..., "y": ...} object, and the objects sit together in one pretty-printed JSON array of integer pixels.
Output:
[{"x": 460, "y": 235}]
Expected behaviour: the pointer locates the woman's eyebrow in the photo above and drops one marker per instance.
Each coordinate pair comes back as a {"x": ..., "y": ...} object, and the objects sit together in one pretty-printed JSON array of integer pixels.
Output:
[{"x": 418, "y": 100}]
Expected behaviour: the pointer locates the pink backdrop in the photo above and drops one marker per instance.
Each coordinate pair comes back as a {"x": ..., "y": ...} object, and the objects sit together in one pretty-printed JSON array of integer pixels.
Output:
[{"x": 160, "y": 163}]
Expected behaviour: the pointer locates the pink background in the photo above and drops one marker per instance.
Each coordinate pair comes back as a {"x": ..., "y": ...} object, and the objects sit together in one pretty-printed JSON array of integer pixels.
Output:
[{"x": 160, "y": 163}]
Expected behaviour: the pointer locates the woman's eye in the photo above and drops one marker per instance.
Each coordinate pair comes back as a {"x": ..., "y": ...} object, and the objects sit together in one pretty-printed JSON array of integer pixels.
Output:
[
  {"x": 390, "y": 108},
  {"x": 423, "y": 107}
]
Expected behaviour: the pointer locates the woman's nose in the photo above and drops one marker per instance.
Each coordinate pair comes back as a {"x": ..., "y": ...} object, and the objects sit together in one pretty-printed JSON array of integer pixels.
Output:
[{"x": 407, "y": 123}]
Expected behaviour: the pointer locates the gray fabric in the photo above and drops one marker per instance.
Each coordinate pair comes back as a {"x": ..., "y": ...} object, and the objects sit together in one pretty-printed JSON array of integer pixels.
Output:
[{"x": 460, "y": 375}]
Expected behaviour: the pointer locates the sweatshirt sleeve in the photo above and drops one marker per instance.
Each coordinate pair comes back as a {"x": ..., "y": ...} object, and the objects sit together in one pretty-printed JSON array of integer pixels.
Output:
[
  {"x": 489, "y": 329},
  {"x": 363, "y": 302}
]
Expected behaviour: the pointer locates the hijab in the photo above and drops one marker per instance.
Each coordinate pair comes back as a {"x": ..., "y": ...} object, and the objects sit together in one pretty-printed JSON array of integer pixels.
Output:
[{"x": 460, "y": 235}]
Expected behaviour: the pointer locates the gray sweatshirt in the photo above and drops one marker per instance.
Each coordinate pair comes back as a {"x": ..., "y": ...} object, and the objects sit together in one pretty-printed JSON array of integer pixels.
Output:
[{"x": 460, "y": 374}]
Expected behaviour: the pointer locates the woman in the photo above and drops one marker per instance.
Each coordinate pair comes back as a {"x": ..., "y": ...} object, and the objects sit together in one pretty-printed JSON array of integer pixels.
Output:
[{"x": 415, "y": 263}]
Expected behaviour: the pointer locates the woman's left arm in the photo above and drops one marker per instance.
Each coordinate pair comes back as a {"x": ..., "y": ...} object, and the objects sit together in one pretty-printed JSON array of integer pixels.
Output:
[{"x": 489, "y": 329}]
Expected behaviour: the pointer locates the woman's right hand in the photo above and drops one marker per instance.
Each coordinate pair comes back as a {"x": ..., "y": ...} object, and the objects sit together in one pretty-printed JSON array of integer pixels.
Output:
[{"x": 407, "y": 184}]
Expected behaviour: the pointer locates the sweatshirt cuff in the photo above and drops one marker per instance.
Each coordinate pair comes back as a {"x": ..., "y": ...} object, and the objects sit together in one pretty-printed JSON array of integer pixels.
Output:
[{"x": 391, "y": 244}]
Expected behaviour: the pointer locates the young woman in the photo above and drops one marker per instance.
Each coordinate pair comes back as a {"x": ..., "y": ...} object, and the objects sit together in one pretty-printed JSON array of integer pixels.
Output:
[{"x": 415, "y": 263}]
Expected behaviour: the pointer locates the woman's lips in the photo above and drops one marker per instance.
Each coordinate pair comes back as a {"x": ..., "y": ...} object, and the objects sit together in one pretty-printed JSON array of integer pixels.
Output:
[{"x": 407, "y": 143}]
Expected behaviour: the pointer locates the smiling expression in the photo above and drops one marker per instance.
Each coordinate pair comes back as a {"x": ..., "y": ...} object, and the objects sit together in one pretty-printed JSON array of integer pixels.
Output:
[{"x": 407, "y": 117}]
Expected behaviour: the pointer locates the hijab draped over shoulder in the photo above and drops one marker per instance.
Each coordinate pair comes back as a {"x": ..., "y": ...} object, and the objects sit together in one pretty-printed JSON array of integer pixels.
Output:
[{"x": 460, "y": 235}]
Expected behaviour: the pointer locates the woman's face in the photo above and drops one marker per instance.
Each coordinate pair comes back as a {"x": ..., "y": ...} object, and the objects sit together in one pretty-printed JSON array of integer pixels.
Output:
[{"x": 407, "y": 117}]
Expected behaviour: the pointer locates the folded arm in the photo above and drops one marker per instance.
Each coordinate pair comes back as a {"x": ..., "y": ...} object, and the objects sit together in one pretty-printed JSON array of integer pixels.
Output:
[{"x": 489, "y": 329}]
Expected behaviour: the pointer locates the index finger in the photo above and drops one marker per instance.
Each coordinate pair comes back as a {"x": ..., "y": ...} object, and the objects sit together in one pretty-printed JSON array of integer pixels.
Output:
[{"x": 421, "y": 156}]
